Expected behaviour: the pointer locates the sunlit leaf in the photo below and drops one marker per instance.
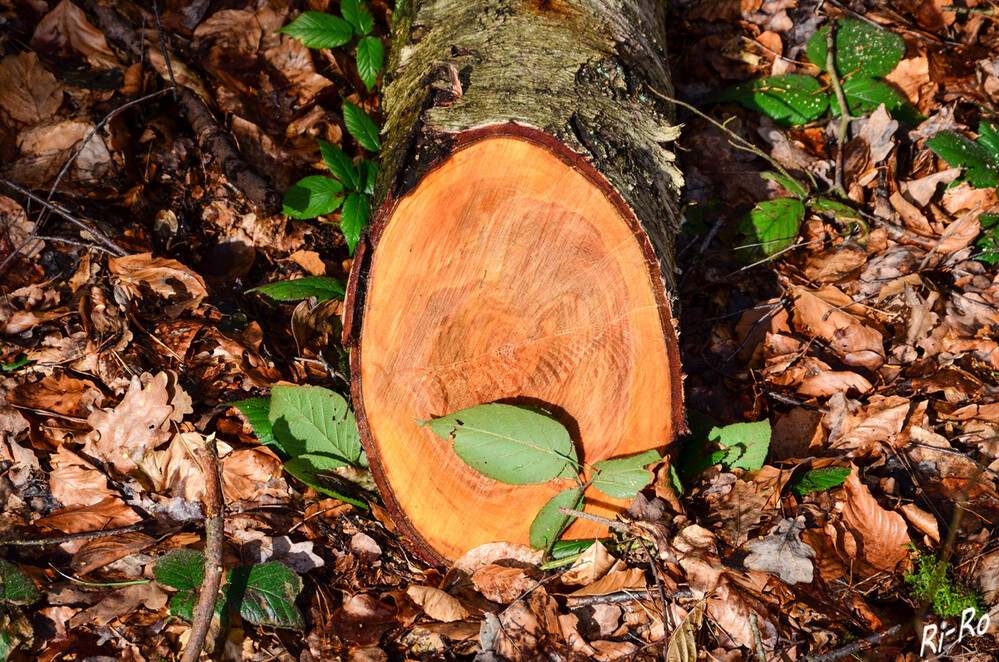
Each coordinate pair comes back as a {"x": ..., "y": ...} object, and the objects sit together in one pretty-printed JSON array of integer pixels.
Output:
[
  {"x": 354, "y": 218},
  {"x": 549, "y": 523},
  {"x": 370, "y": 55},
  {"x": 818, "y": 480},
  {"x": 861, "y": 48},
  {"x": 623, "y": 477},
  {"x": 321, "y": 287},
  {"x": 774, "y": 223},
  {"x": 182, "y": 569},
  {"x": 981, "y": 167},
  {"x": 318, "y": 30},
  {"x": 311, "y": 419},
  {"x": 341, "y": 165},
  {"x": 790, "y": 99},
  {"x": 356, "y": 13},
  {"x": 362, "y": 127},
  {"x": 313, "y": 196},
  {"x": 265, "y": 595}
]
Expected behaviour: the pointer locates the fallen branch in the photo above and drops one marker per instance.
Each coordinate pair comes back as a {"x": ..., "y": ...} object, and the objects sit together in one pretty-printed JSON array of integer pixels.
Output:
[
  {"x": 83, "y": 535},
  {"x": 623, "y": 596},
  {"x": 856, "y": 646},
  {"x": 204, "y": 609}
]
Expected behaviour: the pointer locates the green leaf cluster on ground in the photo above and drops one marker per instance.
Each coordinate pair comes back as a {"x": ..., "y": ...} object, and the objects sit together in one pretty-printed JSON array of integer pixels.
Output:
[
  {"x": 314, "y": 431},
  {"x": 520, "y": 445},
  {"x": 979, "y": 157},
  {"x": 262, "y": 594}
]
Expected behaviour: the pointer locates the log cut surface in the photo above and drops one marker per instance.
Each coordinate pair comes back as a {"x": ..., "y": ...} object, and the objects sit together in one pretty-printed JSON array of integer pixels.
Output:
[{"x": 512, "y": 272}]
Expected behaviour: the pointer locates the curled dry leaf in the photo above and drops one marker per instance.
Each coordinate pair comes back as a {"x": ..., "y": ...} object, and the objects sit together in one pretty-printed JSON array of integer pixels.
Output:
[
  {"x": 922, "y": 520},
  {"x": 166, "y": 278},
  {"x": 682, "y": 645},
  {"x": 591, "y": 566},
  {"x": 120, "y": 602},
  {"x": 829, "y": 382},
  {"x": 437, "y": 604},
  {"x": 67, "y": 25},
  {"x": 880, "y": 535},
  {"x": 123, "y": 435},
  {"x": 782, "y": 553},
  {"x": 832, "y": 316},
  {"x": 508, "y": 553},
  {"x": 502, "y": 584},
  {"x": 28, "y": 92},
  {"x": 632, "y": 579},
  {"x": 99, "y": 552},
  {"x": 74, "y": 481},
  {"x": 108, "y": 513}
]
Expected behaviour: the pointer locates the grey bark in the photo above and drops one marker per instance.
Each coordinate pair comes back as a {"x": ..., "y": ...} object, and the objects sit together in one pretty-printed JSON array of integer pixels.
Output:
[{"x": 591, "y": 73}]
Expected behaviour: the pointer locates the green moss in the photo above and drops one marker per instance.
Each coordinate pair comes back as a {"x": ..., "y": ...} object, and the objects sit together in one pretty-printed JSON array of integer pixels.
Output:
[{"x": 932, "y": 582}]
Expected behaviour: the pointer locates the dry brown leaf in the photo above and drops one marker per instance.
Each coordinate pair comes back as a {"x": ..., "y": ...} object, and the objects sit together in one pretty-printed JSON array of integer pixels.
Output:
[
  {"x": 310, "y": 261},
  {"x": 911, "y": 76},
  {"x": 98, "y": 553},
  {"x": 683, "y": 640},
  {"x": 108, "y": 513},
  {"x": 797, "y": 434},
  {"x": 740, "y": 510},
  {"x": 879, "y": 427},
  {"x": 730, "y": 611},
  {"x": 74, "y": 481},
  {"x": 363, "y": 619},
  {"x": 830, "y": 382},
  {"x": 609, "y": 651},
  {"x": 832, "y": 316},
  {"x": 782, "y": 553},
  {"x": 695, "y": 540},
  {"x": 509, "y": 553},
  {"x": 67, "y": 25},
  {"x": 880, "y": 535},
  {"x": 922, "y": 520},
  {"x": 878, "y": 130},
  {"x": 591, "y": 566},
  {"x": 437, "y": 604},
  {"x": 28, "y": 92},
  {"x": 921, "y": 191},
  {"x": 121, "y": 602},
  {"x": 123, "y": 435},
  {"x": 250, "y": 473},
  {"x": 502, "y": 584},
  {"x": 632, "y": 579},
  {"x": 959, "y": 234},
  {"x": 167, "y": 278}
]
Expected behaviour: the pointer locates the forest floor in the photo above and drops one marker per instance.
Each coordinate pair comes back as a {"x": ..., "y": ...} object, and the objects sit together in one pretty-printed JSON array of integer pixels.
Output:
[{"x": 859, "y": 327}]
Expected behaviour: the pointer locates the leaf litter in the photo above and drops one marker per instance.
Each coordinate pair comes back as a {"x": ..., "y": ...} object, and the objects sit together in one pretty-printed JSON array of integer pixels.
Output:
[{"x": 867, "y": 341}]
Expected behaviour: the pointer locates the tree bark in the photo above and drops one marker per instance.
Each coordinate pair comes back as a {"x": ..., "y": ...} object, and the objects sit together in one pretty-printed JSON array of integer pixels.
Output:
[{"x": 522, "y": 251}]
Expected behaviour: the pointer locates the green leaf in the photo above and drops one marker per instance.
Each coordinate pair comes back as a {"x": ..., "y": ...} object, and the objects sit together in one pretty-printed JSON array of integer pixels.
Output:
[
  {"x": 981, "y": 167},
  {"x": 311, "y": 419},
  {"x": 860, "y": 48},
  {"x": 19, "y": 362},
  {"x": 818, "y": 480},
  {"x": 509, "y": 443},
  {"x": 362, "y": 127},
  {"x": 315, "y": 470},
  {"x": 357, "y": 14},
  {"x": 182, "y": 604},
  {"x": 354, "y": 218},
  {"x": 182, "y": 569},
  {"x": 989, "y": 139},
  {"x": 318, "y": 30},
  {"x": 313, "y": 196},
  {"x": 370, "y": 56},
  {"x": 623, "y": 477},
  {"x": 745, "y": 445},
  {"x": 564, "y": 548},
  {"x": 774, "y": 223},
  {"x": 368, "y": 172},
  {"x": 255, "y": 411},
  {"x": 265, "y": 595},
  {"x": 790, "y": 99},
  {"x": 793, "y": 186},
  {"x": 321, "y": 287},
  {"x": 864, "y": 95},
  {"x": 339, "y": 164},
  {"x": 988, "y": 243},
  {"x": 15, "y": 586},
  {"x": 549, "y": 523}
]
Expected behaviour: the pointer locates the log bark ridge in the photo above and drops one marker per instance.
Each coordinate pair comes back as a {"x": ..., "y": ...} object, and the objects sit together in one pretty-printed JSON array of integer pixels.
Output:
[{"x": 496, "y": 110}]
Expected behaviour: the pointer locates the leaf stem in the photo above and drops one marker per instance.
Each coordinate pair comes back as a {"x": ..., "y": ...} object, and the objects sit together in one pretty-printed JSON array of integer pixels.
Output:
[{"x": 844, "y": 114}]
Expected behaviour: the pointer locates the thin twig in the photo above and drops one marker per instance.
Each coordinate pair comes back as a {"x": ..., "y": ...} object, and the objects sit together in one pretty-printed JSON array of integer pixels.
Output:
[
  {"x": 662, "y": 595},
  {"x": 614, "y": 524},
  {"x": 856, "y": 646},
  {"x": 97, "y": 234},
  {"x": 981, "y": 11},
  {"x": 204, "y": 610},
  {"x": 754, "y": 625},
  {"x": 84, "y": 535},
  {"x": 844, "y": 111},
  {"x": 577, "y": 601},
  {"x": 163, "y": 47}
]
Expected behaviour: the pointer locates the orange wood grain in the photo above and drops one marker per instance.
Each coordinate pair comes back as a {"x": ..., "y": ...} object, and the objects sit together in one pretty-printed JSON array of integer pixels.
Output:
[{"x": 508, "y": 274}]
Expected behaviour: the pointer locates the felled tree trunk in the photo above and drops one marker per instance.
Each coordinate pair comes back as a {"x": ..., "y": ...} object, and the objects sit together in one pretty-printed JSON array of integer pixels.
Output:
[{"x": 522, "y": 252}]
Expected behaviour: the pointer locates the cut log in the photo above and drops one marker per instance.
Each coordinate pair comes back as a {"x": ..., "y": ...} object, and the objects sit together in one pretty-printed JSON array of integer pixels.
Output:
[{"x": 522, "y": 252}]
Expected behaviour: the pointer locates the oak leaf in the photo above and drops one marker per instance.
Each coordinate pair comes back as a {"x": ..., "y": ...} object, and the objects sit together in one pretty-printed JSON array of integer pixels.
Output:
[{"x": 781, "y": 552}]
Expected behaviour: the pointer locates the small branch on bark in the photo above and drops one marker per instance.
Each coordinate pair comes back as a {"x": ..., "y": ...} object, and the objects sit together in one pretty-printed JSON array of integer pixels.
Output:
[
  {"x": 84, "y": 535},
  {"x": 856, "y": 646},
  {"x": 204, "y": 609}
]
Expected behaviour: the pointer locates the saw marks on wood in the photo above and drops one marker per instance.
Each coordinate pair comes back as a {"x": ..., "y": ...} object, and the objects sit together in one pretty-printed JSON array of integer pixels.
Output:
[{"x": 507, "y": 274}]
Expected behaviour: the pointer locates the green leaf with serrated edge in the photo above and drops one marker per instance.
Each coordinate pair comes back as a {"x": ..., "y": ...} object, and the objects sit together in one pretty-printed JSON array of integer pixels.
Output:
[
  {"x": 988, "y": 243},
  {"x": 15, "y": 586},
  {"x": 818, "y": 480},
  {"x": 318, "y": 30},
  {"x": 321, "y": 287},
  {"x": 362, "y": 127},
  {"x": 312, "y": 419},
  {"x": 368, "y": 171},
  {"x": 790, "y": 99},
  {"x": 312, "y": 469},
  {"x": 623, "y": 477},
  {"x": 981, "y": 168},
  {"x": 182, "y": 569},
  {"x": 339, "y": 164},
  {"x": 255, "y": 411},
  {"x": 549, "y": 523},
  {"x": 774, "y": 223},
  {"x": 19, "y": 362},
  {"x": 509, "y": 443},
  {"x": 745, "y": 445},
  {"x": 356, "y": 13},
  {"x": 354, "y": 218},
  {"x": 989, "y": 139},
  {"x": 861, "y": 48},
  {"x": 793, "y": 186},
  {"x": 564, "y": 548},
  {"x": 864, "y": 95},
  {"x": 182, "y": 605},
  {"x": 265, "y": 595},
  {"x": 370, "y": 56},
  {"x": 313, "y": 196}
]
